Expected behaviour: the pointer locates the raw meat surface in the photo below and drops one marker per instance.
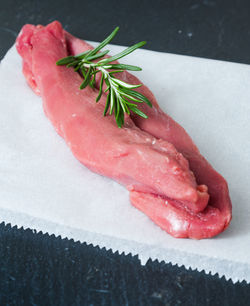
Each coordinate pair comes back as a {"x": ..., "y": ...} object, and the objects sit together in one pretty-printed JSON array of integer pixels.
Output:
[
  {"x": 164, "y": 127},
  {"x": 156, "y": 174}
]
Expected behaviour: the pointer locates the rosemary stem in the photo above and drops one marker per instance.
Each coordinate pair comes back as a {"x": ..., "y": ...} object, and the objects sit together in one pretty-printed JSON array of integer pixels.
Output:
[{"x": 121, "y": 97}]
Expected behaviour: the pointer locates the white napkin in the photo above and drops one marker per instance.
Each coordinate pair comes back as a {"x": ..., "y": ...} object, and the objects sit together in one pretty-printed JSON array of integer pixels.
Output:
[{"x": 42, "y": 186}]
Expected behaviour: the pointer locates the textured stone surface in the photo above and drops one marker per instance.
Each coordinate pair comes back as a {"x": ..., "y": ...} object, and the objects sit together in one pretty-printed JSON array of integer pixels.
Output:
[
  {"x": 206, "y": 28},
  {"x": 37, "y": 269}
]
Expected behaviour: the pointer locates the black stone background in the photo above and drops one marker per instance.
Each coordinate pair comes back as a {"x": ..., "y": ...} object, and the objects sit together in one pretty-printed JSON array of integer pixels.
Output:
[{"x": 37, "y": 269}]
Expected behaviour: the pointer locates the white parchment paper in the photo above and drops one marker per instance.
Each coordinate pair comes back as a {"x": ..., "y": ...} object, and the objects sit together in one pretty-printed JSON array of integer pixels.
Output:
[{"x": 42, "y": 186}]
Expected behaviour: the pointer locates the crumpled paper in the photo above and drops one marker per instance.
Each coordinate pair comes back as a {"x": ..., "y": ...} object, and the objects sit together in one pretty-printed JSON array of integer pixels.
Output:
[{"x": 43, "y": 187}]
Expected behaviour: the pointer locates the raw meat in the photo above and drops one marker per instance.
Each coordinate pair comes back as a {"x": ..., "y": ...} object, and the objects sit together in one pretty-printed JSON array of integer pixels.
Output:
[
  {"x": 156, "y": 174},
  {"x": 163, "y": 126},
  {"x": 176, "y": 222}
]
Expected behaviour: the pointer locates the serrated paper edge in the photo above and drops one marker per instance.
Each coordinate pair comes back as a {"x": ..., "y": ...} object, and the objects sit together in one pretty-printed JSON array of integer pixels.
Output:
[{"x": 144, "y": 252}]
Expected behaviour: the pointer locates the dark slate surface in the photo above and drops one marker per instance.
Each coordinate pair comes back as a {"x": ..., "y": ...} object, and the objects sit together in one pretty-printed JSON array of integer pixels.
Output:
[
  {"x": 37, "y": 269},
  {"x": 208, "y": 28}
]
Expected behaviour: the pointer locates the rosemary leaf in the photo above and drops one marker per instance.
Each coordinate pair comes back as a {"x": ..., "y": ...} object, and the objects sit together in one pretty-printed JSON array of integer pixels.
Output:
[
  {"x": 119, "y": 93},
  {"x": 100, "y": 89},
  {"x": 130, "y": 97},
  {"x": 98, "y": 55},
  {"x": 117, "y": 109},
  {"x": 138, "y": 112},
  {"x": 107, "y": 104},
  {"x": 115, "y": 71},
  {"x": 126, "y": 85},
  {"x": 112, "y": 100},
  {"x": 86, "y": 80},
  {"x": 82, "y": 55},
  {"x": 138, "y": 95},
  {"x": 72, "y": 64},
  {"x": 65, "y": 61},
  {"x": 104, "y": 42},
  {"x": 92, "y": 82},
  {"x": 123, "y": 53},
  {"x": 125, "y": 67}
]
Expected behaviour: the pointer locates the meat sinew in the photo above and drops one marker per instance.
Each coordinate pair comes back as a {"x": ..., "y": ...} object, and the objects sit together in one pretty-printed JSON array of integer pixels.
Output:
[{"x": 144, "y": 156}]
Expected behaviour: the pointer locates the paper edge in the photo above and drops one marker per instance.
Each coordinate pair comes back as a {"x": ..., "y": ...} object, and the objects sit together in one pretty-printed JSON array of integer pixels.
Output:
[
  {"x": 110, "y": 243},
  {"x": 198, "y": 58},
  {"x": 150, "y": 250}
]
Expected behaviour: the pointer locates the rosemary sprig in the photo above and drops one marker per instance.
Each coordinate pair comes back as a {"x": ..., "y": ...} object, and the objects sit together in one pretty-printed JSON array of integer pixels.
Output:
[{"x": 120, "y": 95}]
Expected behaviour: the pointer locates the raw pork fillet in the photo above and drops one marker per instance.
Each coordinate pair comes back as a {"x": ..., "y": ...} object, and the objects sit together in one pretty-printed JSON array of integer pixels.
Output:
[
  {"x": 157, "y": 175},
  {"x": 178, "y": 223}
]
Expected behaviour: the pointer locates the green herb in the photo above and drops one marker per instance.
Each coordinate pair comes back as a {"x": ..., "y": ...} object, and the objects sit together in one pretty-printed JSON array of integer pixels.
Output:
[{"x": 119, "y": 93}]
